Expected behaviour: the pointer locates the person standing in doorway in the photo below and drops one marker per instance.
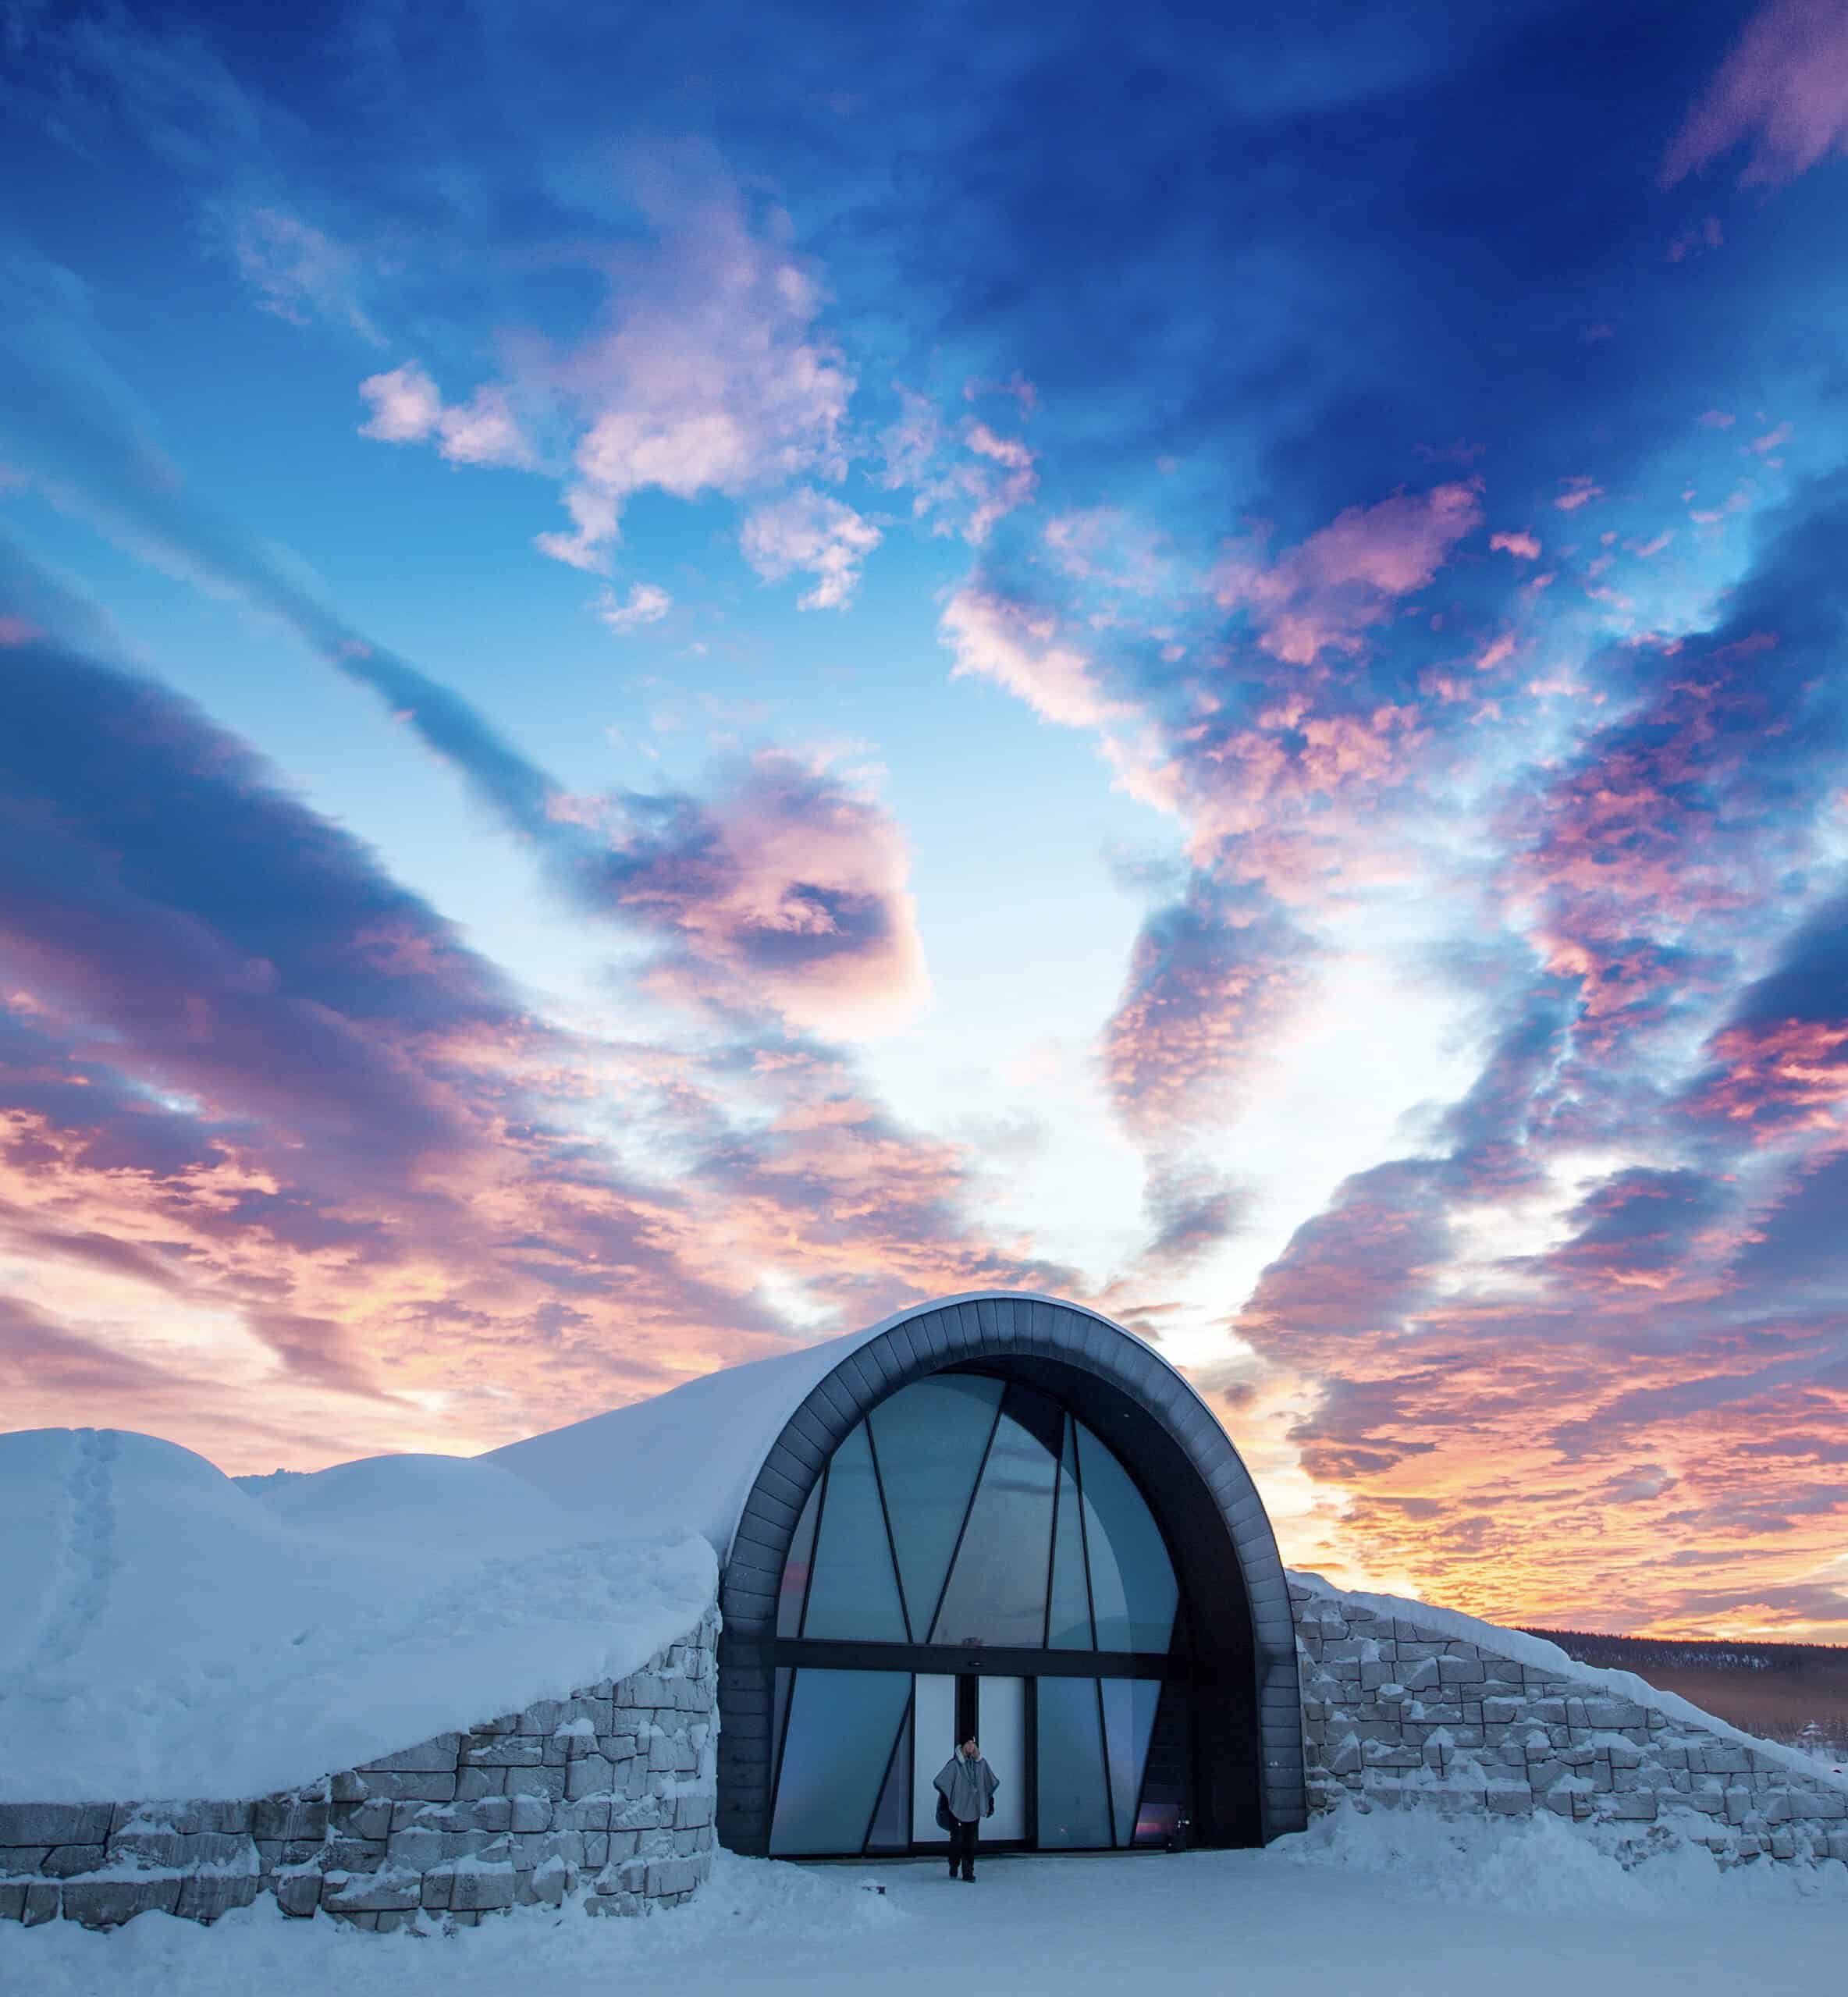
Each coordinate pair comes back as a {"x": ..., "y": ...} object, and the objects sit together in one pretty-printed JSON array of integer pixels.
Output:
[{"x": 966, "y": 1786}]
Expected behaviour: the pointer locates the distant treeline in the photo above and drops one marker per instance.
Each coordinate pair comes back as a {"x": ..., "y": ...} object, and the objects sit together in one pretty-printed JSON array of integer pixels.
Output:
[{"x": 1775, "y": 1689}]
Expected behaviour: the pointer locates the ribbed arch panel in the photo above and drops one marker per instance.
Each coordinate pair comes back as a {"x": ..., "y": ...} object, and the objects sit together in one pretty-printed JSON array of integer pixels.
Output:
[{"x": 1153, "y": 1420}]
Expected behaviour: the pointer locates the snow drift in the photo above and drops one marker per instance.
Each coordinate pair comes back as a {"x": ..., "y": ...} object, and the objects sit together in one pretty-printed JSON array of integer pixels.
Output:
[{"x": 173, "y": 1634}]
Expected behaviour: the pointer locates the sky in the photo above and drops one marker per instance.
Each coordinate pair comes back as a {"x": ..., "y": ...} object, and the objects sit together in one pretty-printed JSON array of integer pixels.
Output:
[{"x": 669, "y": 678}]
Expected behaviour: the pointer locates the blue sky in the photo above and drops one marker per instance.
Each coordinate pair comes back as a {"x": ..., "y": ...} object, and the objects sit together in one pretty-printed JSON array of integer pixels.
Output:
[{"x": 672, "y": 678}]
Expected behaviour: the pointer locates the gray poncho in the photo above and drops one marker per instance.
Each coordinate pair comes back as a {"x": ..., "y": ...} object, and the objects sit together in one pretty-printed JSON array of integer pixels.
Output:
[{"x": 968, "y": 1787}]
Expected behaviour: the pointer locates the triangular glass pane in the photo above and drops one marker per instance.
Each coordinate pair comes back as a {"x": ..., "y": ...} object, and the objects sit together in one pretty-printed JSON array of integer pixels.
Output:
[
  {"x": 1132, "y": 1581},
  {"x": 930, "y": 1437},
  {"x": 892, "y": 1820},
  {"x": 1129, "y": 1715},
  {"x": 1069, "y": 1626},
  {"x": 855, "y": 1593},
  {"x": 795, "y": 1585},
  {"x": 997, "y": 1588}
]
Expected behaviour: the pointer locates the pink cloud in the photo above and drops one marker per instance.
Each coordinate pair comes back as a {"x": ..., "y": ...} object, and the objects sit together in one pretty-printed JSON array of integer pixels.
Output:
[
  {"x": 1581, "y": 491},
  {"x": 711, "y": 376},
  {"x": 1209, "y": 980},
  {"x": 1322, "y": 593},
  {"x": 647, "y": 603},
  {"x": 1020, "y": 647},
  {"x": 1522, "y": 544},
  {"x": 788, "y": 891},
  {"x": 1718, "y": 419},
  {"x": 996, "y": 496},
  {"x": 814, "y": 532},
  {"x": 408, "y": 408},
  {"x": 1784, "y": 86}
]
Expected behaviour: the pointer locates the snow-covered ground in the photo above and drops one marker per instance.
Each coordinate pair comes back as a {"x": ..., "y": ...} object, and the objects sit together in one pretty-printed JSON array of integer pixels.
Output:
[{"x": 1381, "y": 1905}]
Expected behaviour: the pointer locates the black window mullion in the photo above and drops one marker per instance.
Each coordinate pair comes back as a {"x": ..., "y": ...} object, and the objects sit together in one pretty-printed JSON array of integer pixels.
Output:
[
  {"x": 1052, "y": 1551},
  {"x": 1084, "y": 1536},
  {"x": 821, "y": 1506},
  {"x": 884, "y": 1513},
  {"x": 975, "y": 1492},
  {"x": 789, "y": 1706},
  {"x": 1110, "y": 1800}
]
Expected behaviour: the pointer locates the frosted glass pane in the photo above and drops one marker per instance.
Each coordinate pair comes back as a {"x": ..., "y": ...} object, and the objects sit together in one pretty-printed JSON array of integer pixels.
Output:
[
  {"x": 930, "y": 1436},
  {"x": 997, "y": 1589},
  {"x": 1068, "y": 1627},
  {"x": 855, "y": 1593},
  {"x": 1128, "y": 1717},
  {"x": 795, "y": 1569},
  {"x": 1074, "y": 1813},
  {"x": 1133, "y": 1583},
  {"x": 842, "y": 1726},
  {"x": 1001, "y": 1733},
  {"x": 933, "y": 1741},
  {"x": 891, "y": 1820}
]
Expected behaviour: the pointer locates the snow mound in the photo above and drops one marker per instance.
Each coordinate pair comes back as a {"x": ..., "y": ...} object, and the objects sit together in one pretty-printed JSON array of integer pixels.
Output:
[
  {"x": 1543, "y": 1865},
  {"x": 171, "y": 1634}
]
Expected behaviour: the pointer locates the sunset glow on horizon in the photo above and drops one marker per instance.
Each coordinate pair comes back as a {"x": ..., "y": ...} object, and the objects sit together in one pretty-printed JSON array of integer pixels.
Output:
[{"x": 667, "y": 683}]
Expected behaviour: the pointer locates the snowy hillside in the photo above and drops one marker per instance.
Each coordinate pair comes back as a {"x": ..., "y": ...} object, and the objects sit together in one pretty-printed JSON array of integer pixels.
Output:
[{"x": 169, "y": 1633}]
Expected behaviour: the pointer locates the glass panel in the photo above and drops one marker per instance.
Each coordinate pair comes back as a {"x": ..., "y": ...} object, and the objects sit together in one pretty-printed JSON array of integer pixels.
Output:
[
  {"x": 1068, "y": 1625},
  {"x": 1128, "y": 1715},
  {"x": 934, "y": 1739},
  {"x": 795, "y": 1569},
  {"x": 1001, "y": 1733},
  {"x": 997, "y": 1589},
  {"x": 1164, "y": 1779},
  {"x": 891, "y": 1821},
  {"x": 855, "y": 1593},
  {"x": 1073, "y": 1812},
  {"x": 930, "y": 1436},
  {"x": 836, "y": 1752},
  {"x": 1132, "y": 1584}
]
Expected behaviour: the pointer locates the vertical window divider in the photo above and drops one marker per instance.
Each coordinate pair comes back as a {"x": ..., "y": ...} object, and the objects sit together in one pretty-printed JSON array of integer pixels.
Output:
[
  {"x": 975, "y": 1492},
  {"x": 789, "y": 1706},
  {"x": 1084, "y": 1535},
  {"x": 1052, "y": 1550},
  {"x": 821, "y": 1507},
  {"x": 884, "y": 1513},
  {"x": 1109, "y": 1798}
]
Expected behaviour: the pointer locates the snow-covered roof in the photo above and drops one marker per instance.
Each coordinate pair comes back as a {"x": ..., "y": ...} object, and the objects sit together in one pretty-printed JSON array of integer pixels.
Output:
[
  {"x": 689, "y": 1456},
  {"x": 166, "y": 1632}
]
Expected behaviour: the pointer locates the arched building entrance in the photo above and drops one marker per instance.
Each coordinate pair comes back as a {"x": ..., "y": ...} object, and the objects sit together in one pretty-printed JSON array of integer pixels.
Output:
[{"x": 1003, "y": 1514}]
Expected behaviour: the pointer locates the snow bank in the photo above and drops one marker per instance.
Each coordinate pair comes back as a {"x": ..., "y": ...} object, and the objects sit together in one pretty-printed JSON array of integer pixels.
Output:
[
  {"x": 748, "y": 1909},
  {"x": 1523, "y": 1649},
  {"x": 172, "y": 1634},
  {"x": 1542, "y": 1864}
]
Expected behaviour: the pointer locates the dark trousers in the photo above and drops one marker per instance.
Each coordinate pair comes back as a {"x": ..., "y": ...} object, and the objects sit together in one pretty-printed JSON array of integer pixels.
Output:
[{"x": 963, "y": 1840}]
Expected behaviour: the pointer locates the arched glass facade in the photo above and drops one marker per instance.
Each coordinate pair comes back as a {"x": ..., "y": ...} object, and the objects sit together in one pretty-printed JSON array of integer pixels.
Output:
[{"x": 975, "y": 1559}]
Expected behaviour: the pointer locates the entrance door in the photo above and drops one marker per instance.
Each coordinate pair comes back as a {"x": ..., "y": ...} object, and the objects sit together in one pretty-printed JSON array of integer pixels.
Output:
[
  {"x": 995, "y": 1710},
  {"x": 933, "y": 1741},
  {"x": 1001, "y": 1716}
]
